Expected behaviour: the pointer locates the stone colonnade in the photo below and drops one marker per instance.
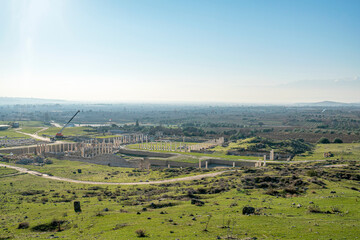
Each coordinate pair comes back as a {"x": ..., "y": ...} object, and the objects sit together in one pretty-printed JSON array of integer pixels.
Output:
[
  {"x": 90, "y": 148},
  {"x": 125, "y": 139}
]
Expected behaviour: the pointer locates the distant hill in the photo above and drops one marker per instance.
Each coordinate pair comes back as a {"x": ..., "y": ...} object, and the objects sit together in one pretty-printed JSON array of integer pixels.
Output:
[
  {"x": 329, "y": 104},
  {"x": 15, "y": 100}
]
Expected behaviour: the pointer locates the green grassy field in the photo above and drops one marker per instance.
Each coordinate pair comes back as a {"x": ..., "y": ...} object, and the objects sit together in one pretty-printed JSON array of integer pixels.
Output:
[
  {"x": 165, "y": 211},
  {"x": 27, "y": 123},
  {"x": 11, "y": 134},
  {"x": 346, "y": 151},
  {"x": 233, "y": 145},
  {"x": 71, "y": 131},
  {"x": 30, "y": 130},
  {"x": 101, "y": 173},
  {"x": 194, "y": 157},
  {"x": 6, "y": 171},
  {"x": 159, "y": 144}
]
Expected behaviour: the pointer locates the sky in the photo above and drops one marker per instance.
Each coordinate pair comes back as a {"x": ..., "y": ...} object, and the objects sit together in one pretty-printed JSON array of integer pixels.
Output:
[{"x": 181, "y": 51}]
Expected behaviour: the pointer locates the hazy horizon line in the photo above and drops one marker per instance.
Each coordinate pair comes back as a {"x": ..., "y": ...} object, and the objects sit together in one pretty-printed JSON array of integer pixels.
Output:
[{"x": 70, "y": 101}]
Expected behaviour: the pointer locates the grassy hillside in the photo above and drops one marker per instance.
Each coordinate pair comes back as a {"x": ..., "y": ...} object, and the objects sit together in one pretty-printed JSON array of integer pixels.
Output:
[
  {"x": 291, "y": 202},
  {"x": 346, "y": 151}
]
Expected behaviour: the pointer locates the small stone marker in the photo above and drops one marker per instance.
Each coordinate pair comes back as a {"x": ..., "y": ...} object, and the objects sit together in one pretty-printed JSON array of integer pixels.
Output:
[{"x": 77, "y": 207}]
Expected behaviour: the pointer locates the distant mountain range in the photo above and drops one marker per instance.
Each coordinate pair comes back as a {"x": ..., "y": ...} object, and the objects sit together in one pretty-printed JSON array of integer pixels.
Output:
[
  {"x": 328, "y": 104},
  {"x": 22, "y": 101},
  {"x": 35, "y": 101}
]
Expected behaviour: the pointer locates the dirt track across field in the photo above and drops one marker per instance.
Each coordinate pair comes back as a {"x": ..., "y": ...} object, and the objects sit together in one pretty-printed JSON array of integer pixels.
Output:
[
  {"x": 190, "y": 178},
  {"x": 35, "y": 135}
]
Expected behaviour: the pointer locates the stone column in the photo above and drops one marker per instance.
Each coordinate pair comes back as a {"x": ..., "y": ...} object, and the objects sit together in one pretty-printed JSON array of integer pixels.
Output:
[{"x": 272, "y": 155}]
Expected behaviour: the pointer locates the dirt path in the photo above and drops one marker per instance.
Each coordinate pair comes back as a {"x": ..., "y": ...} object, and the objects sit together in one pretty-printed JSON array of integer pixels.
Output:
[
  {"x": 35, "y": 135},
  {"x": 25, "y": 170}
]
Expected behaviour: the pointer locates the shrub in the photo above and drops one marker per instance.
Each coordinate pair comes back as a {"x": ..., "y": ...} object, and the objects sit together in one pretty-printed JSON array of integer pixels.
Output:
[
  {"x": 324, "y": 140},
  {"x": 47, "y": 227},
  {"x": 312, "y": 173},
  {"x": 38, "y": 159},
  {"x": 118, "y": 226},
  {"x": 314, "y": 209},
  {"x": 23, "y": 225},
  {"x": 335, "y": 209},
  {"x": 272, "y": 192},
  {"x": 24, "y": 161},
  {"x": 338, "y": 140},
  {"x": 140, "y": 233},
  {"x": 48, "y": 161}
]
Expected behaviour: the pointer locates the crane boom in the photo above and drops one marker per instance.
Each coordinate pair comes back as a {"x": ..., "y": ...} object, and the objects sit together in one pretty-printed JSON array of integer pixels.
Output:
[{"x": 59, "y": 134}]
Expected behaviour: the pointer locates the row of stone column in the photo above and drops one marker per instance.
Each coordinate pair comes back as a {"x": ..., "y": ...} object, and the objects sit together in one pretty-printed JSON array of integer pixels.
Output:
[
  {"x": 207, "y": 144},
  {"x": 84, "y": 149},
  {"x": 164, "y": 146},
  {"x": 126, "y": 139},
  {"x": 62, "y": 147},
  {"x": 94, "y": 149}
]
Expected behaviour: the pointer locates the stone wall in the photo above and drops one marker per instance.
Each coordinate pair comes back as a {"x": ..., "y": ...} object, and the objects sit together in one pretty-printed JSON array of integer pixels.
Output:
[
  {"x": 116, "y": 161},
  {"x": 19, "y": 150},
  {"x": 144, "y": 153},
  {"x": 106, "y": 159}
]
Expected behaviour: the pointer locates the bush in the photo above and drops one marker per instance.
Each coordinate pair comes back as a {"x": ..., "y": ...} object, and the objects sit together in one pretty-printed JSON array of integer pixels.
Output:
[
  {"x": 140, "y": 233},
  {"x": 24, "y": 161},
  {"x": 23, "y": 225},
  {"x": 338, "y": 140},
  {"x": 312, "y": 173},
  {"x": 335, "y": 209},
  {"x": 47, "y": 227},
  {"x": 48, "y": 161},
  {"x": 324, "y": 140},
  {"x": 272, "y": 192},
  {"x": 314, "y": 209},
  {"x": 39, "y": 159}
]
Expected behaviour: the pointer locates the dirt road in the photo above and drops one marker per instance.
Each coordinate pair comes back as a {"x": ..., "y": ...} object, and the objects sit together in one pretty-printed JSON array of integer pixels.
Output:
[
  {"x": 35, "y": 135},
  {"x": 25, "y": 170}
]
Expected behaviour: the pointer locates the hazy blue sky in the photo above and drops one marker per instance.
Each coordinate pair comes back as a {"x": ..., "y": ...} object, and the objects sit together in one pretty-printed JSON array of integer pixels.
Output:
[{"x": 218, "y": 51}]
